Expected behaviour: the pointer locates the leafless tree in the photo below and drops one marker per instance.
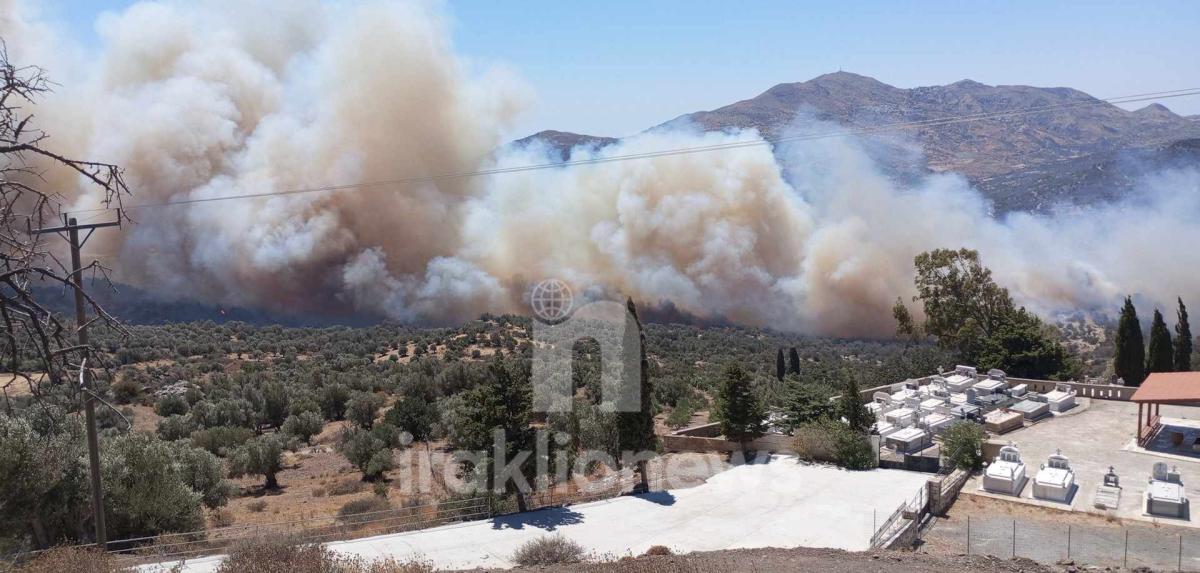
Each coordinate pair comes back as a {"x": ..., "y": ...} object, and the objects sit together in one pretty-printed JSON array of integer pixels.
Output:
[{"x": 38, "y": 347}]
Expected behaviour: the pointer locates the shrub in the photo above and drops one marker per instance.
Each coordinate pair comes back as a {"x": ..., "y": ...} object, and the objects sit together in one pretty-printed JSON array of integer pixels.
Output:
[
  {"x": 125, "y": 390},
  {"x": 834, "y": 442},
  {"x": 171, "y": 405},
  {"x": 548, "y": 551},
  {"x": 145, "y": 492},
  {"x": 352, "y": 512},
  {"x": 284, "y": 556},
  {"x": 222, "y": 518},
  {"x": 658, "y": 550},
  {"x": 176, "y": 427},
  {"x": 962, "y": 445},
  {"x": 75, "y": 560},
  {"x": 257, "y": 506},
  {"x": 271, "y": 556},
  {"x": 346, "y": 487},
  {"x": 202, "y": 471},
  {"x": 680, "y": 415}
]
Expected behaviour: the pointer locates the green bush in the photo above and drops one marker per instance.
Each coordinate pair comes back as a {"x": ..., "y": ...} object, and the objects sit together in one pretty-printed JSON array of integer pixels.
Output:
[
  {"x": 176, "y": 427},
  {"x": 834, "y": 442},
  {"x": 171, "y": 405},
  {"x": 126, "y": 389},
  {"x": 962, "y": 445}
]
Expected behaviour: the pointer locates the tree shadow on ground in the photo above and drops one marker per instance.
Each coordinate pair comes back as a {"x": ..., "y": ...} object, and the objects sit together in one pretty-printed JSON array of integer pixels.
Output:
[
  {"x": 548, "y": 519},
  {"x": 658, "y": 497}
]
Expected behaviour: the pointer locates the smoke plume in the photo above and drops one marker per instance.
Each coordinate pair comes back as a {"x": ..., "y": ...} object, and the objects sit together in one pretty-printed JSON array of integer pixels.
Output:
[{"x": 207, "y": 99}]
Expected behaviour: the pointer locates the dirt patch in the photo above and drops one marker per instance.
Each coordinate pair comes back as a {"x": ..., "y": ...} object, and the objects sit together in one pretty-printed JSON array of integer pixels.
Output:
[{"x": 804, "y": 560}]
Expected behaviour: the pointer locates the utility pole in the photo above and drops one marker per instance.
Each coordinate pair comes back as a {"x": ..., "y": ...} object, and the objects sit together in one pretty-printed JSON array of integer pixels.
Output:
[{"x": 72, "y": 227}]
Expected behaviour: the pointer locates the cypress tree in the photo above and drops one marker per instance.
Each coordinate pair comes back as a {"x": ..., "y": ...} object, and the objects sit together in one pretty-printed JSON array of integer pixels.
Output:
[
  {"x": 635, "y": 430},
  {"x": 793, "y": 361},
  {"x": 1130, "y": 360},
  {"x": 1160, "y": 358},
  {"x": 1183, "y": 340},
  {"x": 780, "y": 367}
]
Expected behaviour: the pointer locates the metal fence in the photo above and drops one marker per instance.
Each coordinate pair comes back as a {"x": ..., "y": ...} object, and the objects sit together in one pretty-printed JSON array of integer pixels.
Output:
[{"x": 1174, "y": 549}]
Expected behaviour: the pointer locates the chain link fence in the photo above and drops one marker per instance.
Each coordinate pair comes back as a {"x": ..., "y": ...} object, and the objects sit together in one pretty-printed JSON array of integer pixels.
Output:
[{"x": 1174, "y": 549}]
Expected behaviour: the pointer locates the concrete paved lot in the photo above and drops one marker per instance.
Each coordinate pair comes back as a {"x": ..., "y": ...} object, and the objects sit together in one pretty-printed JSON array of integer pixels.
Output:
[
  {"x": 780, "y": 503},
  {"x": 1095, "y": 438}
]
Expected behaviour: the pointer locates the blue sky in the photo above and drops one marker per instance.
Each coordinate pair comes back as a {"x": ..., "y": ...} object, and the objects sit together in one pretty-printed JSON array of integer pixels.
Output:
[{"x": 618, "y": 66}]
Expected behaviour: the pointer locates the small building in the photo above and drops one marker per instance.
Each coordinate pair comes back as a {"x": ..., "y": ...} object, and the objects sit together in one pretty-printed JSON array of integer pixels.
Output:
[
  {"x": 1006, "y": 474},
  {"x": 1055, "y": 481},
  {"x": 1165, "y": 496},
  {"x": 1162, "y": 388}
]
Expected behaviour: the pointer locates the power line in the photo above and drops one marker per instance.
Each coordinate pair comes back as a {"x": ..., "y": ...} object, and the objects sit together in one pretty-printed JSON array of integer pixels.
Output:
[{"x": 764, "y": 141}]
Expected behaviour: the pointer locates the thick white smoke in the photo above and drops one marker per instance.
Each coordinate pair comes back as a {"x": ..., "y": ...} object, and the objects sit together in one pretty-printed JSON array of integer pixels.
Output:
[{"x": 207, "y": 99}]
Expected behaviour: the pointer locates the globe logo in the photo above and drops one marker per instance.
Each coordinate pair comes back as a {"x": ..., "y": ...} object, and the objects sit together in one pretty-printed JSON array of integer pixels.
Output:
[{"x": 551, "y": 300}]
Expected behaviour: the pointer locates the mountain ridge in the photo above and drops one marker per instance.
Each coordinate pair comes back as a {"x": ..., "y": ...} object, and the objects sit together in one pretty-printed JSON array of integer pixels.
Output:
[{"x": 989, "y": 153}]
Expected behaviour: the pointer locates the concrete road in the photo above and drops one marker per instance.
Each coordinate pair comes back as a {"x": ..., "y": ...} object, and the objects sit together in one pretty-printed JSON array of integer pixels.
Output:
[{"x": 779, "y": 503}]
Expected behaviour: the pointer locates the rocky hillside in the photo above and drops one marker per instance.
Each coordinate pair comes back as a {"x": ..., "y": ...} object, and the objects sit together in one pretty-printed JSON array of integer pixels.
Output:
[{"x": 1022, "y": 163}]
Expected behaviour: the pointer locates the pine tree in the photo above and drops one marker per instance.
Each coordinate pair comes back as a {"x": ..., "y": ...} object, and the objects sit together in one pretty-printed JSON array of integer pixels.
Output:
[
  {"x": 635, "y": 430},
  {"x": 780, "y": 366},
  {"x": 743, "y": 417},
  {"x": 1130, "y": 359},
  {"x": 1159, "y": 359},
  {"x": 793, "y": 361},
  {"x": 1183, "y": 340}
]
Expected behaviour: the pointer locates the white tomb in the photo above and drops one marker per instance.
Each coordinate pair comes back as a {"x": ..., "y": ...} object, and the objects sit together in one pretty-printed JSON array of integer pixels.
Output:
[
  {"x": 989, "y": 386},
  {"x": 963, "y": 377},
  {"x": 1165, "y": 495},
  {"x": 1006, "y": 474},
  {"x": 900, "y": 416},
  {"x": 1055, "y": 481},
  {"x": 1061, "y": 399},
  {"x": 880, "y": 402},
  {"x": 938, "y": 420},
  {"x": 909, "y": 440}
]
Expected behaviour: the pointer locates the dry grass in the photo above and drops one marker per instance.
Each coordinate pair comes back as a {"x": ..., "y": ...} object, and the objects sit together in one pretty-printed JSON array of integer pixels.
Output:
[
  {"x": 74, "y": 560},
  {"x": 283, "y": 556}
]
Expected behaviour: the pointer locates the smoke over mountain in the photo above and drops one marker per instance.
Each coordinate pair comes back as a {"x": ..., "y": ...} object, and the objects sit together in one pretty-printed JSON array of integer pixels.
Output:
[{"x": 207, "y": 99}]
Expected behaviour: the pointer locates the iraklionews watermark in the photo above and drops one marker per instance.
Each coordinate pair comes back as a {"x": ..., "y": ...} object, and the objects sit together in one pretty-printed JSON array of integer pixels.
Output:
[{"x": 560, "y": 322}]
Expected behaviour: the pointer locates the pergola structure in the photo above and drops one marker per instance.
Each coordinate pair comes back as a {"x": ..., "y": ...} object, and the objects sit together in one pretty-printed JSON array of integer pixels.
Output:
[{"x": 1181, "y": 388}]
